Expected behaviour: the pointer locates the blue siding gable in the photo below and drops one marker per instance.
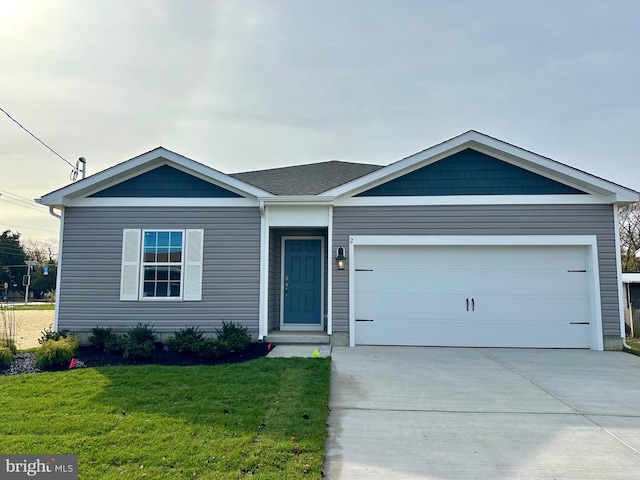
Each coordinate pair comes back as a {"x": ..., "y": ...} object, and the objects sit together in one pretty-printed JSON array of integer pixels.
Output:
[
  {"x": 470, "y": 172},
  {"x": 166, "y": 181}
]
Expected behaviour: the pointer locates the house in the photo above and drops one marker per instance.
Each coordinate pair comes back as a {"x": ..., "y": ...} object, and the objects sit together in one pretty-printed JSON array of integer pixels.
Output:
[{"x": 472, "y": 242}]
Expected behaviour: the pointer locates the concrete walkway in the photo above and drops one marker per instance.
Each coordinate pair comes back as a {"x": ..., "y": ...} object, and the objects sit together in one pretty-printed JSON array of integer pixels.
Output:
[
  {"x": 455, "y": 413},
  {"x": 289, "y": 351}
]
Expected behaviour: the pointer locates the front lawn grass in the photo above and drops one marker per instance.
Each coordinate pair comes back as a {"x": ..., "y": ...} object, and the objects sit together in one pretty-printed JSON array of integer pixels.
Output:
[{"x": 265, "y": 418}]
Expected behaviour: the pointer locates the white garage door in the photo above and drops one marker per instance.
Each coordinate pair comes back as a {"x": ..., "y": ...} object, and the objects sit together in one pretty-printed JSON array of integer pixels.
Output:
[{"x": 485, "y": 296}]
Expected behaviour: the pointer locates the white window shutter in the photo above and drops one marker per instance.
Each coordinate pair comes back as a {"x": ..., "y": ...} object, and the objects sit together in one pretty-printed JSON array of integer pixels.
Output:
[
  {"x": 192, "y": 276},
  {"x": 130, "y": 268}
]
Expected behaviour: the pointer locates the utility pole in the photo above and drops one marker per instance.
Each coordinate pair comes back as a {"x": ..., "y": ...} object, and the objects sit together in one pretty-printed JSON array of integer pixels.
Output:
[{"x": 30, "y": 265}]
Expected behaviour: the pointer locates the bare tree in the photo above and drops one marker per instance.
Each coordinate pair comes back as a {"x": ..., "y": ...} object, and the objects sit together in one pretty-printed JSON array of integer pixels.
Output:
[
  {"x": 42, "y": 251},
  {"x": 629, "y": 219}
]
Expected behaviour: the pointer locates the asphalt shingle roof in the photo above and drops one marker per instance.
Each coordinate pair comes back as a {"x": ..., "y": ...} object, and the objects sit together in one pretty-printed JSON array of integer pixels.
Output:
[{"x": 310, "y": 179}]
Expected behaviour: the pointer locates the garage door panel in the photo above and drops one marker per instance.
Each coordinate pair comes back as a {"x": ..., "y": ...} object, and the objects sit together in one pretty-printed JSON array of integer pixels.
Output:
[
  {"x": 517, "y": 296},
  {"x": 464, "y": 334},
  {"x": 396, "y": 281}
]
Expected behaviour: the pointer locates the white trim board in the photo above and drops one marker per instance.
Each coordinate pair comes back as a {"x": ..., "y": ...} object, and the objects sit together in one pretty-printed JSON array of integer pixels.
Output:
[
  {"x": 588, "y": 241},
  {"x": 473, "y": 200}
]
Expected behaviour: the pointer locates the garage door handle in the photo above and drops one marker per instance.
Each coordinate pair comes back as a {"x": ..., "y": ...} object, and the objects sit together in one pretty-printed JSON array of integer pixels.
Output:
[
  {"x": 473, "y": 305},
  {"x": 467, "y": 304}
]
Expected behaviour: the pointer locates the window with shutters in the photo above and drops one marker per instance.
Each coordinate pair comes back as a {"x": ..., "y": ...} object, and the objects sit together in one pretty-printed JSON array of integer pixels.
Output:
[{"x": 161, "y": 265}]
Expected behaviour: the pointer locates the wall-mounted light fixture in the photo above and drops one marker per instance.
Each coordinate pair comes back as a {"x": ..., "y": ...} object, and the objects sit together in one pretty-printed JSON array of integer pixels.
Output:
[{"x": 340, "y": 258}]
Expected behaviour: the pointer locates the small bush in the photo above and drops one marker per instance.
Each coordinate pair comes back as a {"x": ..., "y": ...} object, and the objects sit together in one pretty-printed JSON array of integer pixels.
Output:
[
  {"x": 236, "y": 337},
  {"x": 50, "y": 334},
  {"x": 106, "y": 340},
  {"x": 138, "y": 343},
  {"x": 6, "y": 357},
  {"x": 186, "y": 340},
  {"x": 210, "y": 348},
  {"x": 56, "y": 352},
  {"x": 10, "y": 344}
]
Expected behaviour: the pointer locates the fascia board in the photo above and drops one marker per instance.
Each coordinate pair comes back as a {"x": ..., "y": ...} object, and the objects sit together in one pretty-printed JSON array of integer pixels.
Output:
[
  {"x": 294, "y": 200},
  {"x": 144, "y": 163},
  {"x": 504, "y": 151}
]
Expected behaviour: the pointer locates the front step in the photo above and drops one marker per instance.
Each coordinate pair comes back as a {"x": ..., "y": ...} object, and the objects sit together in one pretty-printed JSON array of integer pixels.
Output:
[{"x": 297, "y": 338}]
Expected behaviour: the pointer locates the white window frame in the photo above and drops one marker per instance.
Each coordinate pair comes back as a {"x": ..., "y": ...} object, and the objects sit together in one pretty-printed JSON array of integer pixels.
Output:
[
  {"x": 144, "y": 264},
  {"x": 132, "y": 267}
]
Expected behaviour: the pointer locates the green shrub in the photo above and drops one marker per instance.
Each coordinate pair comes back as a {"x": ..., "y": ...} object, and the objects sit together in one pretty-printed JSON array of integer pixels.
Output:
[
  {"x": 6, "y": 357},
  {"x": 186, "y": 340},
  {"x": 106, "y": 340},
  {"x": 50, "y": 334},
  {"x": 210, "y": 348},
  {"x": 236, "y": 337},
  {"x": 138, "y": 343},
  {"x": 10, "y": 344},
  {"x": 56, "y": 352}
]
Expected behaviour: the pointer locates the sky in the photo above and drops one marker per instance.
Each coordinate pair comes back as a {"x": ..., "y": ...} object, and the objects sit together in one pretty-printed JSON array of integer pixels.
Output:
[{"x": 245, "y": 85}]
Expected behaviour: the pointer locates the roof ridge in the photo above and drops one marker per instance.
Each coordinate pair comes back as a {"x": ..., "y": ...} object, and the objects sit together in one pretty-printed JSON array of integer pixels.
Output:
[{"x": 344, "y": 162}]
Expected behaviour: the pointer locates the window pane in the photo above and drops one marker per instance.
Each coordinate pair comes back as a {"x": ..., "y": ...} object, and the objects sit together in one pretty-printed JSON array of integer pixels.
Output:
[
  {"x": 162, "y": 273},
  {"x": 175, "y": 289},
  {"x": 149, "y": 255},
  {"x": 149, "y": 239},
  {"x": 175, "y": 255},
  {"x": 163, "y": 254},
  {"x": 163, "y": 239},
  {"x": 149, "y": 273},
  {"x": 174, "y": 273},
  {"x": 161, "y": 289},
  {"x": 176, "y": 239},
  {"x": 149, "y": 288}
]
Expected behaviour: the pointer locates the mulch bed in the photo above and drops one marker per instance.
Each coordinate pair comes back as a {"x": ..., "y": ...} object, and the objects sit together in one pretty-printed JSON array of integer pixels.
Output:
[{"x": 90, "y": 356}]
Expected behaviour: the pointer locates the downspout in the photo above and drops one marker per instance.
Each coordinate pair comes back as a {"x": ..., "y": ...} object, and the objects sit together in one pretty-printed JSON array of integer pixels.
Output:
[
  {"x": 616, "y": 226},
  {"x": 56, "y": 313},
  {"x": 54, "y": 214}
]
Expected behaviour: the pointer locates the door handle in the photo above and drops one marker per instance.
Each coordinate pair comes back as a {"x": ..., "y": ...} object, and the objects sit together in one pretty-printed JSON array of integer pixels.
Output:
[
  {"x": 473, "y": 305},
  {"x": 286, "y": 288},
  {"x": 467, "y": 304}
]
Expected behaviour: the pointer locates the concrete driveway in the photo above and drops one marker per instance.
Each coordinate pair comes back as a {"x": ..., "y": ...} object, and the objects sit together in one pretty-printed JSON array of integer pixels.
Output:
[{"x": 459, "y": 413}]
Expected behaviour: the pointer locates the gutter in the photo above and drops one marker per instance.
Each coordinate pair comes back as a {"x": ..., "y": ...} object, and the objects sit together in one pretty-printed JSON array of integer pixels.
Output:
[{"x": 54, "y": 214}]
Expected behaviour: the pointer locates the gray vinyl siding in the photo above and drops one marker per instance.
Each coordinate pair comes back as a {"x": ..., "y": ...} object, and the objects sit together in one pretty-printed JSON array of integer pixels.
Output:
[
  {"x": 89, "y": 290},
  {"x": 482, "y": 220}
]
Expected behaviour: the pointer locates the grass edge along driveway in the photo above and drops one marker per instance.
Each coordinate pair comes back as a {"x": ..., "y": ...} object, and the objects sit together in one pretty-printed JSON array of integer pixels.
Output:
[{"x": 266, "y": 418}]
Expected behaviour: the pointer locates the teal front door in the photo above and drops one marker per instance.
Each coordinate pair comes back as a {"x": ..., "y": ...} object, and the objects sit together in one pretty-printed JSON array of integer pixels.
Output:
[{"x": 302, "y": 283}]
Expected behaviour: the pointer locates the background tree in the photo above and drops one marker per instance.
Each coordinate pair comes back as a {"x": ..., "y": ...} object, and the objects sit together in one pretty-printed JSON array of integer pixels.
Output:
[
  {"x": 12, "y": 257},
  {"x": 629, "y": 219},
  {"x": 44, "y": 252}
]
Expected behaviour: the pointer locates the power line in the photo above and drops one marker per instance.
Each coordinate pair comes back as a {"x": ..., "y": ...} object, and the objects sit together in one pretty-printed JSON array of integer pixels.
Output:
[
  {"x": 30, "y": 228},
  {"x": 47, "y": 146},
  {"x": 18, "y": 197},
  {"x": 34, "y": 208}
]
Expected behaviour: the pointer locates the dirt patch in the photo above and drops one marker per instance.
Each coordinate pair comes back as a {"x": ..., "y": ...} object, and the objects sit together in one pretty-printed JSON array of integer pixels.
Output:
[{"x": 29, "y": 326}]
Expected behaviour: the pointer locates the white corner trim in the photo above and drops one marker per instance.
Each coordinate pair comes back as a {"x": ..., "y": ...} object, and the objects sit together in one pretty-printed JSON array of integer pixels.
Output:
[
  {"x": 56, "y": 314},
  {"x": 263, "y": 315},
  {"x": 621, "y": 306},
  {"x": 329, "y": 247}
]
